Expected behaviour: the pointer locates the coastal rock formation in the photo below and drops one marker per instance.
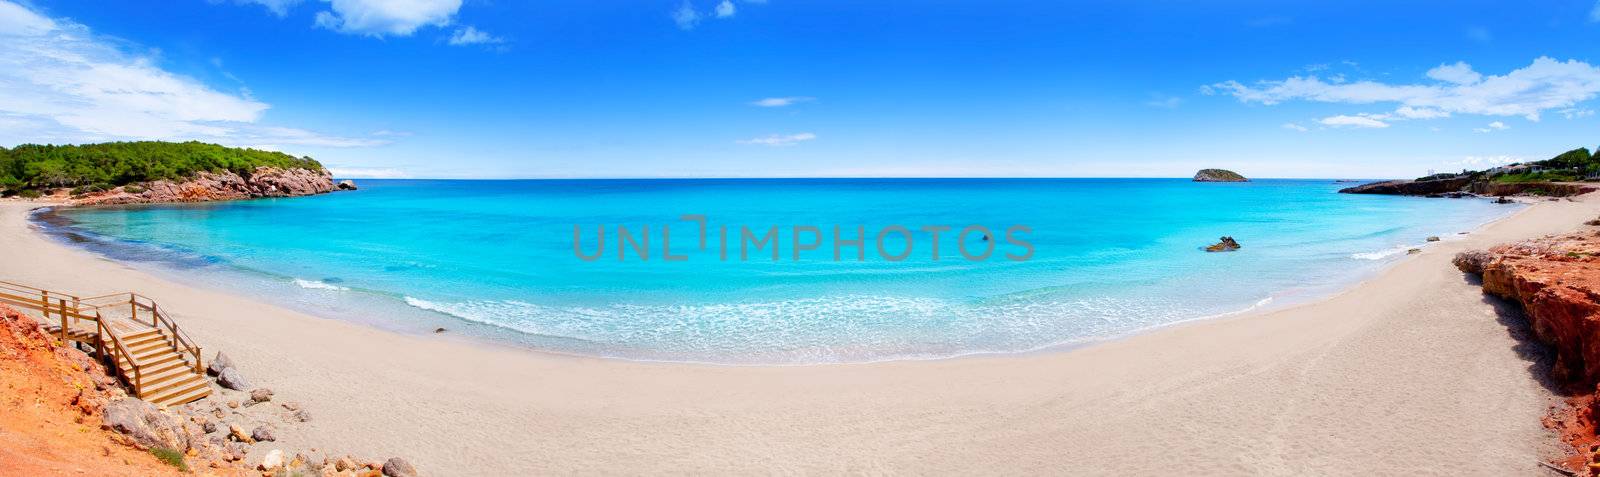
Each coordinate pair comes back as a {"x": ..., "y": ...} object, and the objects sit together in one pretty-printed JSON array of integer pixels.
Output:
[
  {"x": 1556, "y": 280},
  {"x": 1218, "y": 175},
  {"x": 1226, "y": 244},
  {"x": 347, "y": 184},
  {"x": 1548, "y": 189},
  {"x": 147, "y": 426},
  {"x": 1410, "y": 187},
  {"x": 211, "y": 186},
  {"x": 1460, "y": 187}
]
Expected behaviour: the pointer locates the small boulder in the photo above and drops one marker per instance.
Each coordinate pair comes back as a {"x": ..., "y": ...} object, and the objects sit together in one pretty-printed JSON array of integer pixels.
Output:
[
  {"x": 344, "y": 463},
  {"x": 219, "y": 363},
  {"x": 230, "y": 378},
  {"x": 397, "y": 467},
  {"x": 272, "y": 461},
  {"x": 262, "y": 434},
  {"x": 347, "y": 184},
  {"x": 1226, "y": 244},
  {"x": 1433, "y": 239},
  {"x": 261, "y": 395},
  {"x": 439, "y": 330},
  {"x": 237, "y": 433},
  {"x": 1413, "y": 251}
]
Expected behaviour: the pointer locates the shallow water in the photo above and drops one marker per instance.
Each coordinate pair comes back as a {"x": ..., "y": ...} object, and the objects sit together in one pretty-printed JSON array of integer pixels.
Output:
[{"x": 497, "y": 259}]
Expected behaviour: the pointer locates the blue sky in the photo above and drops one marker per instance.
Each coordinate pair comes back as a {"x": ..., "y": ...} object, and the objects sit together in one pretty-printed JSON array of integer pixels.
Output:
[{"x": 787, "y": 88}]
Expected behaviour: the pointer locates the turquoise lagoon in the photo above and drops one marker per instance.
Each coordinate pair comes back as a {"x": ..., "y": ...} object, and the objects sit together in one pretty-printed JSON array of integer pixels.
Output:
[{"x": 496, "y": 260}]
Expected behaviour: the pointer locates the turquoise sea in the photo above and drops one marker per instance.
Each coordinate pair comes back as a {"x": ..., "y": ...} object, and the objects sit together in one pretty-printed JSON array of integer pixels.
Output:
[{"x": 496, "y": 259}]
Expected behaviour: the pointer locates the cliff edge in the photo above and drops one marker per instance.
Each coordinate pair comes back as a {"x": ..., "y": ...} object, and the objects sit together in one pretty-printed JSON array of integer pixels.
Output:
[{"x": 1556, "y": 280}]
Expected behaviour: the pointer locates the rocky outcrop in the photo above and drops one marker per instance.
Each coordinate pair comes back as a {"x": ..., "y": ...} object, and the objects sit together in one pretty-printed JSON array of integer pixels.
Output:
[
  {"x": 1218, "y": 175},
  {"x": 1225, "y": 244},
  {"x": 1467, "y": 187},
  {"x": 147, "y": 426},
  {"x": 215, "y": 186},
  {"x": 1410, "y": 187},
  {"x": 1556, "y": 280},
  {"x": 1547, "y": 189},
  {"x": 347, "y": 184}
]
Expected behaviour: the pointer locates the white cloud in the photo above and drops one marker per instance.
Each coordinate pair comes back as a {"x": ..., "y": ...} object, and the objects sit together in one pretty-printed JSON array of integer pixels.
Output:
[
  {"x": 779, "y": 140},
  {"x": 381, "y": 18},
  {"x": 1494, "y": 126},
  {"x": 1166, "y": 102},
  {"x": 1574, "y": 113},
  {"x": 781, "y": 101},
  {"x": 473, "y": 36},
  {"x": 685, "y": 16},
  {"x": 1354, "y": 121},
  {"x": 1545, "y": 84},
  {"x": 1295, "y": 127},
  {"x": 1420, "y": 113},
  {"x": 1594, "y": 14},
  {"x": 725, "y": 9},
  {"x": 277, "y": 7},
  {"x": 1459, "y": 73},
  {"x": 59, "y": 83},
  {"x": 1481, "y": 162}
]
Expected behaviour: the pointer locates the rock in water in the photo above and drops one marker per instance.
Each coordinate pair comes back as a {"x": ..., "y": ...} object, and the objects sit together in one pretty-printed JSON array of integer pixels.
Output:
[
  {"x": 347, "y": 184},
  {"x": 397, "y": 467},
  {"x": 1218, "y": 175},
  {"x": 1227, "y": 244}
]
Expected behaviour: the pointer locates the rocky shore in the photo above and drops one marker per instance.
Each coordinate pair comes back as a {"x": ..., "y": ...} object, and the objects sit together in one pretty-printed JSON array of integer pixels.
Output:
[
  {"x": 107, "y": 432},
  {"x": 1556, "y": 280},
  {"x": 1467, "y": 187},
  {"x": 216, "y": 186}
]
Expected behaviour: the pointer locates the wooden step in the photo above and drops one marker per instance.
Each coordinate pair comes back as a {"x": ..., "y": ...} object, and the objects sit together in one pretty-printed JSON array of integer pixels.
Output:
[
  {"x": 153, "y": 380},
  {"x": 166, "y": 387},
  {"x": 179, "y": 392},
  {"x": 148, "y": 338},
  {"x": 148, "y": 355},
  {"x": 147, "y": 348}
]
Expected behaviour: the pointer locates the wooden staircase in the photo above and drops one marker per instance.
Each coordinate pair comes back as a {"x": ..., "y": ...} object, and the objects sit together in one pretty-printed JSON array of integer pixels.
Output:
[{"x": 157, "y": 362}]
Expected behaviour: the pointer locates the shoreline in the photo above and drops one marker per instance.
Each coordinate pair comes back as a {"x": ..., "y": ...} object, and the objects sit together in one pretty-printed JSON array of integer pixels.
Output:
[
  {"x": 1078, "y": 406},
  {"x": 423, "y": 320}
]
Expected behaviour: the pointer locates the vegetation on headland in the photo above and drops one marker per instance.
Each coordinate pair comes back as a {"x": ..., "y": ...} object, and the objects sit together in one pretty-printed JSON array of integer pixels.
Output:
[
  {"x": 30, "y": 168},
  {"x": 1571, "y": 166}
]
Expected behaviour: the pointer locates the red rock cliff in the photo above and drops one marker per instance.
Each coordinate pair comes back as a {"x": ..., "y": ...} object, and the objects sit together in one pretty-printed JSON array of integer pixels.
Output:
[
  {"x": 1557, "y": 281},
  {"x": 209, "y": 186}
]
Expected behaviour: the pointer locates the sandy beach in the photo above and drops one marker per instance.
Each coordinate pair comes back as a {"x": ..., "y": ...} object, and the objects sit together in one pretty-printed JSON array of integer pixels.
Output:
[{"x": 1411, "y": 370}]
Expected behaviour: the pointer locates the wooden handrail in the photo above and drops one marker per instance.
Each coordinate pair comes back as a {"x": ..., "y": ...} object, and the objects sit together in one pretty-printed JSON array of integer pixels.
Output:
[{"x": 40, "y": 299}]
